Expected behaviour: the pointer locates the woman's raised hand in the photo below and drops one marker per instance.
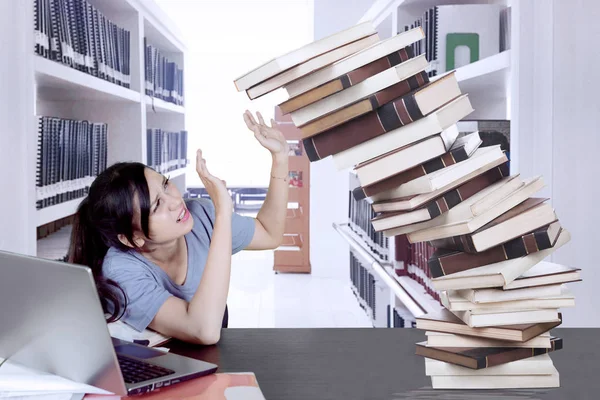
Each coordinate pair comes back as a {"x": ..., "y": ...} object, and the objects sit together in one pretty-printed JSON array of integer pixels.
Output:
[{"x": 216, "y": 188}]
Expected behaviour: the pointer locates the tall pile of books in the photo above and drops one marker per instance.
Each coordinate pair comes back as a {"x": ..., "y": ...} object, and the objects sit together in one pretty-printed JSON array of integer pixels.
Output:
[{"x": 371, "y": 106}]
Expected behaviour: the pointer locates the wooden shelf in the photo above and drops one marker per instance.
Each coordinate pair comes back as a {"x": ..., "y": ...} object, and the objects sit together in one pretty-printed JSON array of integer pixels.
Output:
[
  {"x": 162, "y": 106},
  {"x": 58, "y": 82},
  {"x": 49, "y": 214}
]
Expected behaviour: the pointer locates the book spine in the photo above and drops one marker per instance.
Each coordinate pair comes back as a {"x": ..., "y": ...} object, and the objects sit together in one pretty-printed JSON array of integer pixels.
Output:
[
  {"x": 515, "y": 248},
  {"x": 445, "y": 160},
  {"x": 517, "y": 354},
  {"x": 388, "y": 117}
]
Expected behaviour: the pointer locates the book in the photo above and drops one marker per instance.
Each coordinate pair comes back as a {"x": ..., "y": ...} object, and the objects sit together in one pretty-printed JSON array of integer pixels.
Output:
[
  {"x": 392, "y": 219},
  {"x": 461, "y": 150},
  {"x": 538, "y": 365},
  {"x": 428, "y": 187},
  {"x": 497, "y": 295},
  {"x": 147, "y": 337},
  {"x": 310, "y": 66},
  {"x": 446, "y": 322},
  {"x": 498, "y": 274},
  {"x": 448, "y": 200},
  {"x": 539, "y": 239},
  {"x": 444, "y": 261},
  {"x": 453, "y": 226},
  {"x": 392, "y": 135},
  {"x": 497, "y": 381},
  {"x": 476, "y": 319},
  {"x": 455, "y": 302},
  {"x": 379, "y": 99},
  {"x": 527, "y": 216},
  {"x": 355, "y": 93},
  {"x": 369, "y": 126},
  {"x": 406, "y": 157},
  {"x": 463, "y": 24},
  {"x": 357, "y": 60},
  {"x": 544, "y": 273},
  {"x": 303, "y": 54},
  {"x": 499, "y": 187},
  {"x": 484, "y": 357},
  {"x": 441, "y": 339},
  {"x": 348, "y": 79}
]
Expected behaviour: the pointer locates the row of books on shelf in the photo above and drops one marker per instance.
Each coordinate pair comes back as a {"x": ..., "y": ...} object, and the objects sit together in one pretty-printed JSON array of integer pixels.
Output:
[
  {"x": 363, "y": 286},
  {"x": 359, "y": 217},
  {"x": 75, "y": 33},
  {"x": 166, "y": 151},
  {"x": 163, "y": 77},
  {"x": 70, "y": 154},
  {"x": 375, "y": 111},
  {"x": 483, "y": 28}
]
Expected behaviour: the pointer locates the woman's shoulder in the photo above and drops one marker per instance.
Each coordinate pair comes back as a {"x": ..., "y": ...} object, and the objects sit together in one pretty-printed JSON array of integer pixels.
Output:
[{"x": 115, "y": 259}]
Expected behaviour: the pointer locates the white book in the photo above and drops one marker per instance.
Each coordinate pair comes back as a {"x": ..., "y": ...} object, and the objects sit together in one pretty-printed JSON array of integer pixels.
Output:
[
  {"x": 302, "y": 54},
  {"x": 362, "y": 90},
  {"x": 454, "y": 302},
  {"x": 355, "y": 61},
  {"x": 406, "y": 157},
  {"x": 538, "y": 365},
  {"x": 310, "y": 66},
  {"x": 433, "y": 123},
  {"x": 482, "y": 19},
  {"x": 497, "y": 274},
  {"x": 440, "y": 339},
  {"x": 500, "y": 191},
  {"x": 544, "y": 273},
  {"x": 471, "y": 224},
  {"x": 478, "y": 320},
  {"x": 496, "y": 382},
  {"x": 498, "y": 295}
]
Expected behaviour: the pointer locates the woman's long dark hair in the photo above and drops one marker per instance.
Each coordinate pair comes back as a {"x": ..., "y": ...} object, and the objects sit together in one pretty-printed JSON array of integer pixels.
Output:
[{"x": 107, "y": 211}]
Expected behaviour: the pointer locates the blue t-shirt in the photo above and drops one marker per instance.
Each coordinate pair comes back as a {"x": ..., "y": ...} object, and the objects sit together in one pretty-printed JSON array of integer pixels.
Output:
[{"x": 147, "y": 286}]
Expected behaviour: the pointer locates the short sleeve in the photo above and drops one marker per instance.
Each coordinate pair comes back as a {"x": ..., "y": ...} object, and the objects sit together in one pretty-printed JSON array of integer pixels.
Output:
[
  {"x": 242, "y": 227},
  {"x": 144, "y": 293}
]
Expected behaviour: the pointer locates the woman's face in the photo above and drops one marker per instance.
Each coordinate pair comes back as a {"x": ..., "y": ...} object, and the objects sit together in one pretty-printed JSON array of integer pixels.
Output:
[{"x": 169, "y": 218}]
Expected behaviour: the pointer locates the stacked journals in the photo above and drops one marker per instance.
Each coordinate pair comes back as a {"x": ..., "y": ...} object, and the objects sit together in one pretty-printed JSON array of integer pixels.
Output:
[{"x": 372, "y": 108}]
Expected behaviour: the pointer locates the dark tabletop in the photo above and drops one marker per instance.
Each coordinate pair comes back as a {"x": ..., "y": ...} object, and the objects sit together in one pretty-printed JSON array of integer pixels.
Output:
[{"x": 375, "y": 363}]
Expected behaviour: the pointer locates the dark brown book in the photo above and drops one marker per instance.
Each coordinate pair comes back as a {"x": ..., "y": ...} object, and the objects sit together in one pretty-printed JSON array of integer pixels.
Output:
[
  {"x": 455, "y": 155},
  {"x": 484, "y": 357},
  {"x": 446, "y": 322},
  {"x": 434, "y": 208},
  {"x": 540, "y": 239},
  {"x": 390, "y": 116},
  {"x": 364, "y": 106},
  {"x": 347, "y": 80},
  {"x": 466, "y": 241},
  {"x": 446, "y": 261},
  {"x": 453, "y": 197}
]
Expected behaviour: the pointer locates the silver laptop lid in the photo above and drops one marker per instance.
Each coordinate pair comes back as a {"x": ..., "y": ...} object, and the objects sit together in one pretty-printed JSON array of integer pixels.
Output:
[{"x": 51, "y": 319}]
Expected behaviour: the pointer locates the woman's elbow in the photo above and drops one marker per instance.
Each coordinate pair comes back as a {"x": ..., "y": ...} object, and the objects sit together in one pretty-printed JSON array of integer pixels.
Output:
[{"x": 208, "y": 338}]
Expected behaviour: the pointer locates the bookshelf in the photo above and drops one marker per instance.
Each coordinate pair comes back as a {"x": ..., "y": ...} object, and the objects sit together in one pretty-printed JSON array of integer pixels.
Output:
[{"x": 39, "y": 86}]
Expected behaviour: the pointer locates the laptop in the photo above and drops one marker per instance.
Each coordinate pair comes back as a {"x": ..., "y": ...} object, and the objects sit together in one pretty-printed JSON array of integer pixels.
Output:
[{"x": 51, "y": 319}]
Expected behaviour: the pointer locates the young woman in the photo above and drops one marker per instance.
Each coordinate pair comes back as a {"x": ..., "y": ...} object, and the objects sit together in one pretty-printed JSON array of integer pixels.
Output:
[{"x": 164, "y": 262}]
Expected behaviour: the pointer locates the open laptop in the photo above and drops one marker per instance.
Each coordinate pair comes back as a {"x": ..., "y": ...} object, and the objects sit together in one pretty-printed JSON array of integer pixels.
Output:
[{"x": 51, "y": 319}]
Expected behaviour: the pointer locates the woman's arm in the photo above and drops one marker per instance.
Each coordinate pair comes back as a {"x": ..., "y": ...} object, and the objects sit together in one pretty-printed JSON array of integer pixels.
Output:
[
  {"x": 199, "y": 321},
  {"x": 270, "y": 221}
]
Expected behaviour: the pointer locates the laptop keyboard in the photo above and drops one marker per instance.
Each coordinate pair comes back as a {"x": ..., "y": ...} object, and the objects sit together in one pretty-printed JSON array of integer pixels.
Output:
[{"x": 135, "y": 371}]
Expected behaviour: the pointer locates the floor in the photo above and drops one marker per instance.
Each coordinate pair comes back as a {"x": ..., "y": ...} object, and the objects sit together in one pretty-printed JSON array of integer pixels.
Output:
[{"x": 259, "y": 298}]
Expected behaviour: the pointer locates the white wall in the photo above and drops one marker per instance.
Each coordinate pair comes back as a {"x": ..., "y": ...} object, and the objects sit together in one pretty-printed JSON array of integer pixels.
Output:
[{"x": 556, "y": 120}]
